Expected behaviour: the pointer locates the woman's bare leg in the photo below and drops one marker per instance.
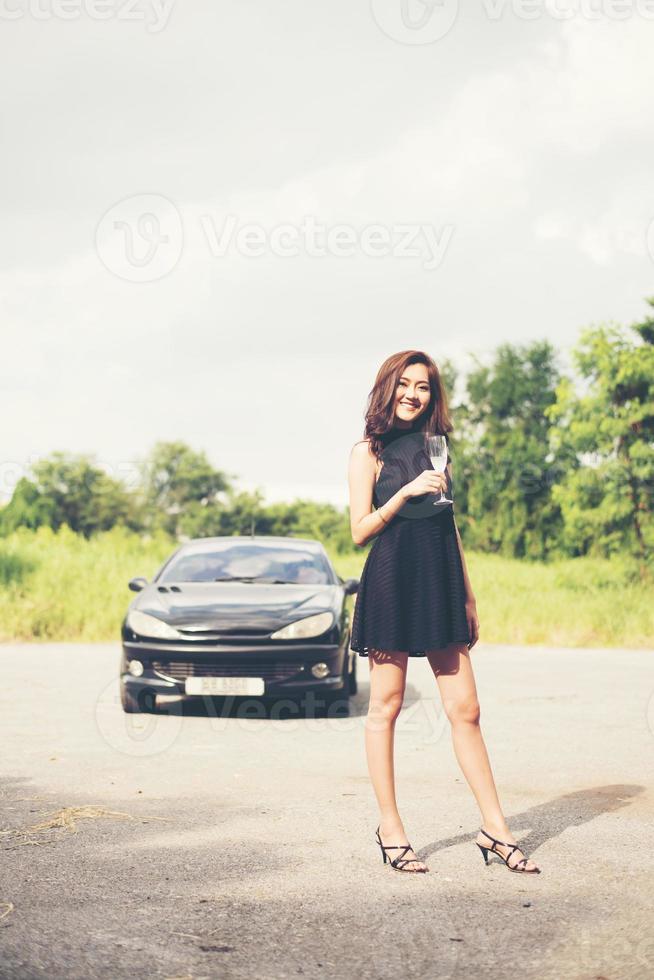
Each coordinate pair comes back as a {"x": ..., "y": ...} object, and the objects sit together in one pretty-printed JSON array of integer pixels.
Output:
[
  {"x": 387, "y": 684},
  {"x": 453, "y": 671}
]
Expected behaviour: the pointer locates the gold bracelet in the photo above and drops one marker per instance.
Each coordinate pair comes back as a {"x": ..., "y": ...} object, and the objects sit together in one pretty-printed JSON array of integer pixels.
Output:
[{"x": 382, "y": 517}]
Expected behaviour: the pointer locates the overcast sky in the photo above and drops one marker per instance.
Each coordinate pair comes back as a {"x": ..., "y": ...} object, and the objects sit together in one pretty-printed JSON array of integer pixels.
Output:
[{"x": 220, "y": 216}]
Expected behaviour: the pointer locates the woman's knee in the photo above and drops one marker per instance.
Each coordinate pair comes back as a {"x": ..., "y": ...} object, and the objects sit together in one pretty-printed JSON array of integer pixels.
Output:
[
  {"x": 463, "y": 711},
  {"x": 386, "y": 707}
]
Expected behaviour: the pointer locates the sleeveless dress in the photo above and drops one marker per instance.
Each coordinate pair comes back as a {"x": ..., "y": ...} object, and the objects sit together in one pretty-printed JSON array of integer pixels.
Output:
[{"x": 411, "y": 595}]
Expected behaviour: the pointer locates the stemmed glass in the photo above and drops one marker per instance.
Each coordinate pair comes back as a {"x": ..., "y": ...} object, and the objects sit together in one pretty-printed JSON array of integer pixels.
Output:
[{"x": 436, "y": 447}]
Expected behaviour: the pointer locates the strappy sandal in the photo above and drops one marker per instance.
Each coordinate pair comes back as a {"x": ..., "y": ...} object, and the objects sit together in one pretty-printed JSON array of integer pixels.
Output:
[
  {"x": 513, "y": 847},
  {"x": 398, "y": 863}
]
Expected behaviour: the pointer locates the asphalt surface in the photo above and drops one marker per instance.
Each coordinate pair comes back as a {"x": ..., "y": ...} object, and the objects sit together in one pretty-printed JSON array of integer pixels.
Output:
[{"x": 212, "y": 845}]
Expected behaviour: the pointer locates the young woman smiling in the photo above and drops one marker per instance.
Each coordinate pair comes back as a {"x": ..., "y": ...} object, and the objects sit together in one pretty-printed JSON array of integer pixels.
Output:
[{"x": 415, "y": 598}]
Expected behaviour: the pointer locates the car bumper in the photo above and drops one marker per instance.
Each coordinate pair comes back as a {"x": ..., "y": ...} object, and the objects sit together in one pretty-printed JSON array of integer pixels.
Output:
[{"x": 284, "y": 669}]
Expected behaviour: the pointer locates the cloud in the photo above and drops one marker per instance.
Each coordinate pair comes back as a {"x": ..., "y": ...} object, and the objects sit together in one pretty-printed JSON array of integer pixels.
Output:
[{"x": 548, "y": 143}]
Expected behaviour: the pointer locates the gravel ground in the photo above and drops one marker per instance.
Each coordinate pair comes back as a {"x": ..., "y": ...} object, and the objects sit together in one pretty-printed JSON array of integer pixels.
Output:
[{"x": 205, "y": 844}]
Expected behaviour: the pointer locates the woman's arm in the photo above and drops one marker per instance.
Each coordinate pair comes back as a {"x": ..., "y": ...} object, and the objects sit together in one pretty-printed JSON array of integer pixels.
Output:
[{"x": 365, "y": 523}]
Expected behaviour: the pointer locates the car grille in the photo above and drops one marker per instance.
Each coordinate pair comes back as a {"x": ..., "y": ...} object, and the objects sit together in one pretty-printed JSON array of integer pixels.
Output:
[
  {"x": 203, "y": 633},
  {"x": 180, "y": 670}
]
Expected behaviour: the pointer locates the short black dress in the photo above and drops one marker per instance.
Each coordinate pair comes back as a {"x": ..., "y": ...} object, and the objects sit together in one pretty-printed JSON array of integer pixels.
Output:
[{"x": 411, "y": 595}]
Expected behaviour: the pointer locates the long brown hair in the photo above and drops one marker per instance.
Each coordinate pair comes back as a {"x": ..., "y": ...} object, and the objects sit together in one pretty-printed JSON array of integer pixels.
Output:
[{"x": 380, "y": 410}]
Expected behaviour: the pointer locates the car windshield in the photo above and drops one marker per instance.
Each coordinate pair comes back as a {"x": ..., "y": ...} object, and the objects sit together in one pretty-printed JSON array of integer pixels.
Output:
[{"x": 250, "y": 563}]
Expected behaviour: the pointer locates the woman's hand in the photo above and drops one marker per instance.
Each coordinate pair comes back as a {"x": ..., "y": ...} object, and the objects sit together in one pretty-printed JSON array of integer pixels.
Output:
[
  {"x": 473, "y": 621},
  {"x": 429, "y": 481}
]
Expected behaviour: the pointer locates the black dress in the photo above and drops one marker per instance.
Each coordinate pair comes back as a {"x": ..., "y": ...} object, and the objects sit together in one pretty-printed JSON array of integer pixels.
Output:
[{"x": 411, "y": 595}]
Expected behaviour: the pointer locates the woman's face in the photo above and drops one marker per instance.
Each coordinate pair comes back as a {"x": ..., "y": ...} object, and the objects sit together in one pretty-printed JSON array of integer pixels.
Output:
[{"x": 412, "y": 394}]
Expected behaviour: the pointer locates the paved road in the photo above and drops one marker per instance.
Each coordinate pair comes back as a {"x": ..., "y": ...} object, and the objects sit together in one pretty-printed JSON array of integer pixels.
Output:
[{"x": 228, "y": 847}]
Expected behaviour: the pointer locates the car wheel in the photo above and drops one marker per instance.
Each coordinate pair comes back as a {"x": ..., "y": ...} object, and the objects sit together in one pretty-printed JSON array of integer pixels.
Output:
[{"x": 145, "y": 702}]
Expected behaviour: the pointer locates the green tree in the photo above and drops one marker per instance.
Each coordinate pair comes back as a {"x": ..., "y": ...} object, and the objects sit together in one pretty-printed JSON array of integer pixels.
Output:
[
  {"x": 27, "y": 508},
  {"x": 68, "y": 489},
  {"x": 244, "y": 513},
  {"x": 503, "y": 470},
  {"x": 310, "y": 519},
  {"x": 175, "y": 479},
  {"x": 238, "y": 513},
  {"x": 607, "y": 421}
]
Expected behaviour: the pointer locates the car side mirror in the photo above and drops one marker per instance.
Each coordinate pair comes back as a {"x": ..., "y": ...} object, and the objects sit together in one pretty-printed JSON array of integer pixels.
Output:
[
  {"x": 351, "y": 585},
  {"x": 137, "y": 584}
]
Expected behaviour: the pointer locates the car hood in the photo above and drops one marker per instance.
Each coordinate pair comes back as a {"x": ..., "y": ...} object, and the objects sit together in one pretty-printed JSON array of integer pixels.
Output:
[{"x": 234, "y": 605}]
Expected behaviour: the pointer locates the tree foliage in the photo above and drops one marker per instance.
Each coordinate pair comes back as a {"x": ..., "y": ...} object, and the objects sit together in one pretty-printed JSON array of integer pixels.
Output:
[
  {"x": 176, "y": 480},
  {"x": 502, "y": 468},
  {"x": 606, "y": 496},
  {"x": 68, "y": 489}
]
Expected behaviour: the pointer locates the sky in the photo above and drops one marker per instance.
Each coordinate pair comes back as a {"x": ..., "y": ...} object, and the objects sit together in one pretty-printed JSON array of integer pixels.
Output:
[{"x": 221, "y": 216}]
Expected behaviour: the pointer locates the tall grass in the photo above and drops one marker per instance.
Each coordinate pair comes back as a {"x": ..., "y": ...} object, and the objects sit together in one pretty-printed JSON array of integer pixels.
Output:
[{"x": 61, "y": 586}]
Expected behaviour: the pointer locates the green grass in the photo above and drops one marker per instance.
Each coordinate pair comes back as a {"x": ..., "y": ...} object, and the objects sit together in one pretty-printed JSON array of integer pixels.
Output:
[{"x": 59, "y": 586}]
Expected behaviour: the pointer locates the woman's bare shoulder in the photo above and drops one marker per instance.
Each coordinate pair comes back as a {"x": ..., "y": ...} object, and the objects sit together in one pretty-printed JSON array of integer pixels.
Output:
[
  {"x": 362, "y": 449},
  {"x": 362, "y": 453}
]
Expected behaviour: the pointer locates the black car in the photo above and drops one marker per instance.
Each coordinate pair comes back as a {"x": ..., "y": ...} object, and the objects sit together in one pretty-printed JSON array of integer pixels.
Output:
[{"x": 259, "y": 616}]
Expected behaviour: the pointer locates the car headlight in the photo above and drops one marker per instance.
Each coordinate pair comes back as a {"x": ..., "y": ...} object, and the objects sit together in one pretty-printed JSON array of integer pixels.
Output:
[
  {"x": 146, "y": 625},
  {"x": 304, "y": 628}
]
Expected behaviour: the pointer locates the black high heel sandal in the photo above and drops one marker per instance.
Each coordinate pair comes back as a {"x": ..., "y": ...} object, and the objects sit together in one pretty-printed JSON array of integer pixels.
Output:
[
  {"x": 398, "y": 863},
  {"x": 514, "y": 847}
]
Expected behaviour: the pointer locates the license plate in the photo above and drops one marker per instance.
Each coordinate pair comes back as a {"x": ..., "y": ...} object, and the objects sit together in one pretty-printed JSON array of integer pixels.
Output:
[{"x": 224, "y": 685}]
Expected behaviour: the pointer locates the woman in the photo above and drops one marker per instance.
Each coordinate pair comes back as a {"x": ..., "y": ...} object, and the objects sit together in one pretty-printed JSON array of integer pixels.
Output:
[{"x": 415, "y": 598}]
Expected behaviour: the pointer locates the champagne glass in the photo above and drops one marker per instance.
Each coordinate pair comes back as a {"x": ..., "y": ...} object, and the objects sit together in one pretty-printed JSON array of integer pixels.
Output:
[{"x": 437, "y": 451}]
